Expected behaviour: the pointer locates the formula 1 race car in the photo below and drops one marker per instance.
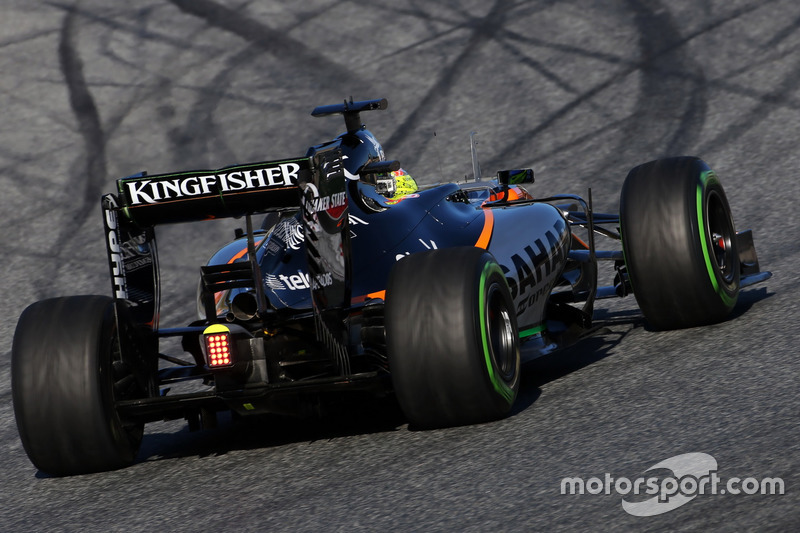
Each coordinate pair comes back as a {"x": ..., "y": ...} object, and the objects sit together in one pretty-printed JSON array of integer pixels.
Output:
[{"x": 356, "y": 279}]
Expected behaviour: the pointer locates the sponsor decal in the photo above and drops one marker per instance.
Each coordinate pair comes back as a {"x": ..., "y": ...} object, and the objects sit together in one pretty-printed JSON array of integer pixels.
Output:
[
  {"x": 354, "y": 221},
  {"x": 313, "y": 191},
  {"x": 290, "y": 231},
  {"x": 300, "y": 281},
  {"x": 333, "y": 204},
  {"x": 157, "y": 189},
  {"x": 273, "y": 282},
  {"x": 273, "y": 248},
  {"x": 136, "y": 253},
  {"x": 115, "y": 254},
  {"x": 332, "y": 168},
  {"x": 347, "y": 174},
  {"x": 324, "y": 279},
  {"x": 536, "y": 264}
]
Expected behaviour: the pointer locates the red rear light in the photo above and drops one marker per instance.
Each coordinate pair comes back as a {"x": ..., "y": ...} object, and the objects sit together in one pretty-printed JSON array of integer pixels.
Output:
[{"x": 218, "y": 348}]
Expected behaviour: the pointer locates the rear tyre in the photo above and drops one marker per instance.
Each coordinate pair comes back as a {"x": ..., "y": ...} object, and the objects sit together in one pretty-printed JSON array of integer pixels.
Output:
[
  {"x": 679, "y": 242},
  {"x": 452, "y": 338},
  {"x": 67, "y": 373}
]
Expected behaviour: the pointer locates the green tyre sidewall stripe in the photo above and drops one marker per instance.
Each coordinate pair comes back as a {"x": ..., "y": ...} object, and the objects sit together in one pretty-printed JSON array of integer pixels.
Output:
[
  {"x": 500, "y": 386},
  {"x": 707, "y": 179}
]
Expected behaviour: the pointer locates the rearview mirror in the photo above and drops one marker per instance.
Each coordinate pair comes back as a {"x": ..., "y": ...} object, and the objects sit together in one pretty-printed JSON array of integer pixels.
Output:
[{"x": 515, "y": 177}]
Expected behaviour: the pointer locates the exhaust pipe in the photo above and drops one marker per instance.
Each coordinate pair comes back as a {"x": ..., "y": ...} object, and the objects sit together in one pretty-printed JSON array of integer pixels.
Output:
[{"x": 244, "y": 306}]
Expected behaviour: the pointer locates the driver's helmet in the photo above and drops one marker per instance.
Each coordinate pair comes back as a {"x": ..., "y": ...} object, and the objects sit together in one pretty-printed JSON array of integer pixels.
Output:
[
  {"x": 360, "y": 148},
  {"x": 396, "y": 184}
]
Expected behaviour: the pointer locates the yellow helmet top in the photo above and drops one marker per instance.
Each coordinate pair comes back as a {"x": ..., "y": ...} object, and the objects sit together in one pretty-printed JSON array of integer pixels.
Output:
[{"x": 403, "y": 183}]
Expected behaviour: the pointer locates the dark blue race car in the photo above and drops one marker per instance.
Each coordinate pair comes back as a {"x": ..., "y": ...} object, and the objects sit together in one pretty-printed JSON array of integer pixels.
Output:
[{"x": 354, "y": 279}]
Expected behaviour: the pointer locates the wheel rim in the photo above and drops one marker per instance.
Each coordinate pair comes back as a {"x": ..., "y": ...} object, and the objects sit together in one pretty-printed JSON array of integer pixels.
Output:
[
  {"x": 501, "y": 333},
  {"x": 721, "y": 233}
]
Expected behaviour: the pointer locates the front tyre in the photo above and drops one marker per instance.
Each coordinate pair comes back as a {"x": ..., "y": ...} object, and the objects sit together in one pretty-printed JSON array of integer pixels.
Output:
[
  {"x": 679, "y": 243},
  {"x": 452, "y": 338},
  {"x": 66, "y": 374}
]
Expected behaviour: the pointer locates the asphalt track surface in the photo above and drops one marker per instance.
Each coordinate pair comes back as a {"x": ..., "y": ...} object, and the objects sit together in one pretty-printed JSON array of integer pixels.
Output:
[{"x": 579, "y": 90}]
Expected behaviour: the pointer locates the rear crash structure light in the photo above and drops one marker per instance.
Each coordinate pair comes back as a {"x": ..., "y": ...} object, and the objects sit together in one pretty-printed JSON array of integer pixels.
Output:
[{"x": 218, "y": 346}]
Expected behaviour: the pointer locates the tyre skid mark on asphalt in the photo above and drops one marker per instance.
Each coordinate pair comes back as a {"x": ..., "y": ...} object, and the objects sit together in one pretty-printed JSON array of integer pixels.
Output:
[
  {"x": 667, "y": 57},
  {"x": 784, "y": 34},
  {"x": 482, "y": 33},
  {"x": 432, "y": 22},
  {"x": 137, "y": 31},
  {"x": 273, "y": 41},
  {"x": 89, "y": 173},
  {"x": 649, "y": 65},
  {"x": 662, "y": 47},
  {"x": 262, "y": 39},
  {"x": 161, "y": 90},
  {"x": 85, "y": 110},
  {"x": 30, "y": 36},
  {"x": 196, "y": 148},
  {"x": 767, "y": 104},
  {"x": 191, "y": 147}
]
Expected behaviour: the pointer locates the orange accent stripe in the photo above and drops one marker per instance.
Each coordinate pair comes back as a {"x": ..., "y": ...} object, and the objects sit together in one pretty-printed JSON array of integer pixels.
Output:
[
  {"x": 243, "y": 252},
  {"x": 239, "y": 255},
  {"x": 365, "y": 297},
  {"x": 488, "y": 227},
  {"x": 379, "y": 294},
  {"x": 580, "y": 241}
]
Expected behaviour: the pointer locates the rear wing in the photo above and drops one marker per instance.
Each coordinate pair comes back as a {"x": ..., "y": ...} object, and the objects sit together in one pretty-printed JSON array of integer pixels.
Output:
[
  {"x": 208, "y": 194},
  {"x": 308, "y": 184}
]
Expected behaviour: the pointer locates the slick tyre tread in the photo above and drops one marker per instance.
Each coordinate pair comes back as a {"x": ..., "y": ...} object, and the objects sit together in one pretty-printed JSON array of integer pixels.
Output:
[
  {"x": 452, "y": 338},
  {"x": 679, "y": 243},
  {"x": 62, "y": 382}
]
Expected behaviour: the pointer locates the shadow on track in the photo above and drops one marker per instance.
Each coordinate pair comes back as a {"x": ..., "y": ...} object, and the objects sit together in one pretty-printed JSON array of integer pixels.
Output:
[
  {"x": 344, "y": 417},
  {"x": 357, "y": 414},
  {"x": 580, "y": 355},
  {"x": 352, "y": 416}
]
